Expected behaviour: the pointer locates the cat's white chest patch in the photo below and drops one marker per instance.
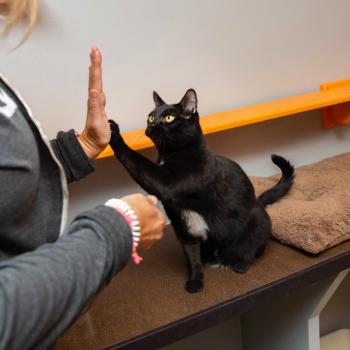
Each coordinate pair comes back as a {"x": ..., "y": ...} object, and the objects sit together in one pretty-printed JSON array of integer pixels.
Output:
[
  {"x": 195, "y": 223},
  {"x": 7, "y": 105}
]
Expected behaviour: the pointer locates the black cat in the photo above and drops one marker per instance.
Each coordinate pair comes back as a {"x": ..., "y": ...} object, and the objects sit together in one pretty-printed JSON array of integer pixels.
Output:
[{"x": 209, "y": 199}]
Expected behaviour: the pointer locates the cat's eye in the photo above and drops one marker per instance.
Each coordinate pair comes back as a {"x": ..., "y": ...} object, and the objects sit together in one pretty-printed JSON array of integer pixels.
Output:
[
  {"x": 151, "y": 118},
  {"x": 169, "y": 119}
]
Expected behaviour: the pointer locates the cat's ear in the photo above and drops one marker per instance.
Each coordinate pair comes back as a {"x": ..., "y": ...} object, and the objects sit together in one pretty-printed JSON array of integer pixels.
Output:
[
  {"x": 189, "y": 101},
  {"x": 157, "y": 100}
]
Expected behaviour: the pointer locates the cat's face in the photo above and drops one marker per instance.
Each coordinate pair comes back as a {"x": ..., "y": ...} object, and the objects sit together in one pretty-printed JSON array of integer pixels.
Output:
[{"x": 174, "y": 125}]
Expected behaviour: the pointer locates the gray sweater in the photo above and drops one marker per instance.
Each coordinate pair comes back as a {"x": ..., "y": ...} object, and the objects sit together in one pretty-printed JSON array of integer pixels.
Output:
[{"x": 48, "y": 272}]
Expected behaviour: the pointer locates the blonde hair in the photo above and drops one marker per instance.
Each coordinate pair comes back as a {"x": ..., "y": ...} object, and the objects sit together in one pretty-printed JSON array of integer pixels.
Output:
[{"x": 16, "y": 10}]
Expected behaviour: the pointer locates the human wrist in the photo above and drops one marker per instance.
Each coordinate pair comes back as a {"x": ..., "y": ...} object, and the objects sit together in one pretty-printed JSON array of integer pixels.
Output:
[
  {"x": 91, "y": 149},
  {"x": 123, "y": 208}
]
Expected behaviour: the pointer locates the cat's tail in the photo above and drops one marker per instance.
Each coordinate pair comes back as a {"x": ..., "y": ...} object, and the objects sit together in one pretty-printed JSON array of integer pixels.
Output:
[{"x": 276, "y": 192}]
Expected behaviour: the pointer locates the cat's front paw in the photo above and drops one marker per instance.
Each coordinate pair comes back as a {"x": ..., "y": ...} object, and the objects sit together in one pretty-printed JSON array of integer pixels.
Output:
[
  {"x": 116, "y": 137},
  {"x": 194, "y": 286},
  {"x": 114, "y": 126}
]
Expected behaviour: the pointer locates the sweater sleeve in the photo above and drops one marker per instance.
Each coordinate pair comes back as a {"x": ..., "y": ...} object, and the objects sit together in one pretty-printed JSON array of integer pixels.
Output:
[
  {"x": 44, "y": 291},
  {"x": 68, "y": 150}
]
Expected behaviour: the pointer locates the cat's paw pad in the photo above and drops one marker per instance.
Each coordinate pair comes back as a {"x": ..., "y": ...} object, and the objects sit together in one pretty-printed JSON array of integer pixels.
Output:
[
  {"x": 114, "y": 126},
  {"x": 194, "y": 286},
  {"x": 240, "y": 266}
]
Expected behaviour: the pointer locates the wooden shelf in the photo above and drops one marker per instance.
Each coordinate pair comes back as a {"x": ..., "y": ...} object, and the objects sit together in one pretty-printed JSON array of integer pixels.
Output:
[{"x": 331, "y": 94}]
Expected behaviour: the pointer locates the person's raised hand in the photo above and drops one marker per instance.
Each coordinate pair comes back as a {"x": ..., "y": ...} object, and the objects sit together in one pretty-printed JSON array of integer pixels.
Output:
[
  {"x": 96, "y": 134},
  {"x": 151, "y": 219}
]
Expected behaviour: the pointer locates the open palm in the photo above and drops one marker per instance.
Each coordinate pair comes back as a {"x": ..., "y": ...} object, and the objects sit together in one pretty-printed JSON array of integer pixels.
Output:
[{"x": 96, "y": 134}]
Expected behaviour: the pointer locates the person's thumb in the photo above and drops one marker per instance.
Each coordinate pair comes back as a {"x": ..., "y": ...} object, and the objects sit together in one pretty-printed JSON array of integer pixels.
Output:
[{"x": 152, "y": 199}]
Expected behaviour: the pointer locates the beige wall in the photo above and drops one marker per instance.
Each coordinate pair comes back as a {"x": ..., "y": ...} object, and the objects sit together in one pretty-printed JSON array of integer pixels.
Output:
[{"x": 234, "y": 52}]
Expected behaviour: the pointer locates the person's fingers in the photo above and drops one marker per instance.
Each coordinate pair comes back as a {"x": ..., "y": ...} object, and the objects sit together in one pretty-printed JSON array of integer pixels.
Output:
[
  {"x": 94, "y": 104},
  {"x": 152, "y": 199},
  {"x": 95, "y": 70},
  {"x": 103, "y": 100}
]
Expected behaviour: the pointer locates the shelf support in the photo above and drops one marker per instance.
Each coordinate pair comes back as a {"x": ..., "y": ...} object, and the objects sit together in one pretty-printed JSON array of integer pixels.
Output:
[
  {"x": 291, "y": 322},
  {"x": 337, "y": 114}
]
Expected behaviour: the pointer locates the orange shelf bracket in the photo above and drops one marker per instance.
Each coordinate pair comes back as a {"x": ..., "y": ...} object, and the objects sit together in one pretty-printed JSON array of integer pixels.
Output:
[{"x": 338, "y": 114}]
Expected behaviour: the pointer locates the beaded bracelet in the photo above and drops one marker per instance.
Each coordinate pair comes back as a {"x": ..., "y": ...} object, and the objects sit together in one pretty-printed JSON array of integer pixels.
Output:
[{"x": 129, "y": 215}]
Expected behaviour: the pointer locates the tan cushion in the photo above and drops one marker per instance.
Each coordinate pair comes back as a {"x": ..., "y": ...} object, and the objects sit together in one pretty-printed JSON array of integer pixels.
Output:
[{"x": 315, "y": 215}]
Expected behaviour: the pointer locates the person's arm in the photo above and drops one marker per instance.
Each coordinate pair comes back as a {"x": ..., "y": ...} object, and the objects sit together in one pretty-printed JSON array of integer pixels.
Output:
[{"x": 43, "y": 291}]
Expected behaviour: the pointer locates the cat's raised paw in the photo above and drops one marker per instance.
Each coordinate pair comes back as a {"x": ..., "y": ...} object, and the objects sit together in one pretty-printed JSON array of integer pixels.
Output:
[
  {"x": 114, "y": 126},
  {"x": 194, "y": 286},
  {"x": 240, "y": 266}
]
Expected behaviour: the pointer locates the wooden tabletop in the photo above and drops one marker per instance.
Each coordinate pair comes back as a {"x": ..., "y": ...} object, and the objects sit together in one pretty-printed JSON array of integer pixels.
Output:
[{"x": 146, "y": 306}]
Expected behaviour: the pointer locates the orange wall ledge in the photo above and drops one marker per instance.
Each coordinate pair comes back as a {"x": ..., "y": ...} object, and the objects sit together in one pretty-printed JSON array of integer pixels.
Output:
[{"x": 334, "y": 97}]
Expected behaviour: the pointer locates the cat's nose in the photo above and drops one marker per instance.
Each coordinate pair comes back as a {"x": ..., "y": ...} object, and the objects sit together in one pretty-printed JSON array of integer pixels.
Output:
[
  {"x": 154, "y": 124},
  {"x": 149, "y": 130}
]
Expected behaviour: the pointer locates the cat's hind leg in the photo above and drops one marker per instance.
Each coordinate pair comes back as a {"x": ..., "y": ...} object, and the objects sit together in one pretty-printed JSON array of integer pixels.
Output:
[{"x": 251, "y": 243}]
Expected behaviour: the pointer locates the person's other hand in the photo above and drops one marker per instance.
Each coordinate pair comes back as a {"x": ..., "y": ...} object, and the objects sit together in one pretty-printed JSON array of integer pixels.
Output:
[
  {"x": 151, "y": 219},
  {"x": 96, "y": 134}
]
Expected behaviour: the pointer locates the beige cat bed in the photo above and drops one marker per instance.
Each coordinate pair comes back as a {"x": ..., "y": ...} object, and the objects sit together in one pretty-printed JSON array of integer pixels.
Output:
[{"x": 315, "y": 215}]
